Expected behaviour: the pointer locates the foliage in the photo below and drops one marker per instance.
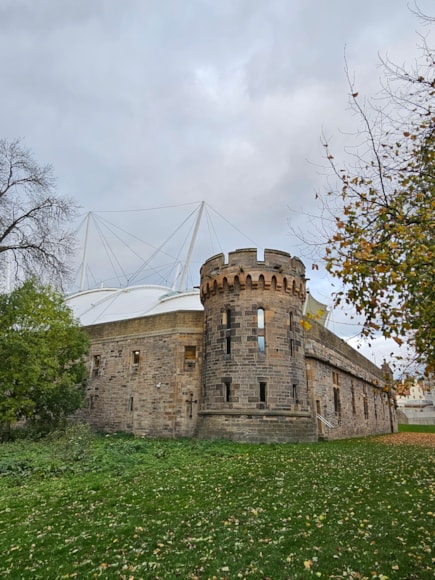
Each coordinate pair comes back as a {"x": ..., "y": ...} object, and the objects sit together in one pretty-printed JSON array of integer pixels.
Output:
[
  {"x": 33, "y": 219},
  {"x": 135, "y": 508},
  {"x": 41, "y": 350},
  {"x": 383, "y": 245}
]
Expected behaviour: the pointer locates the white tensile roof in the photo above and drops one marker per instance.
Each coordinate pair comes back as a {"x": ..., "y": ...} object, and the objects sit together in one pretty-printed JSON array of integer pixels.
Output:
[{"x": 111, "y": 304}]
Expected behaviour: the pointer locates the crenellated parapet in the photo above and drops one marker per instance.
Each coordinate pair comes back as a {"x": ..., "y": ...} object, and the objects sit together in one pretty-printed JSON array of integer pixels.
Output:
[{"x": 278, "y": 271}]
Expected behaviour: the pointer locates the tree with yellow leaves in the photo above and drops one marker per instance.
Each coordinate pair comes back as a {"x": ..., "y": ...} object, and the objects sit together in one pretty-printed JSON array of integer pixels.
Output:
[{"x": 382, "y": 246}]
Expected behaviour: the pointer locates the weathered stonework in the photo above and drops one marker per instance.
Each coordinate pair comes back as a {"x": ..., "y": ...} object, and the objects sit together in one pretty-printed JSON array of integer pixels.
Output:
[
  {"x": 254, "y": 383},
  {"x": 153, "y": 396},
  {"x": 244, "y": 369},
  {"x": 360, "y": 405}
]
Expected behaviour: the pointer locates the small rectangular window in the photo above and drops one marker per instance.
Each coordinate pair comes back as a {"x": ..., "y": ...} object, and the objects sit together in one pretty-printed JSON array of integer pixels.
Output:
[
  {"x": 366, "y": 408},
  {"x": 227, "y": 391},
  {"x": 335, "y": 378},
  {"x": 189, "y": 357},
  {"x": 295, "y": 393},
  {"x": 292, "y": 347},
  {"x": 135, "y": 357},
  {"x": 262, "y": 392},
  {"x": 96, "y": 364},
  {"x": 337, "y": 403},
  {"x": 228, "y": 345},
  {"x": 130, "y": 404}
]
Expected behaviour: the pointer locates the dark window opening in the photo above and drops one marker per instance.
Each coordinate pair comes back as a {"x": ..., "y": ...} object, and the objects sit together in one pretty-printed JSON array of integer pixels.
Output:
[
  {"x": 226, "y": 321},
  {"x": 227, "y": 391},
  {"x": 337, "y": 403},
  {"x": 226, "y": 318},
  {"x": 352, "y": 392},
  {"x": 135, "y": 357},
  {"x": 130, "y": 404},
  {"x": 262, "y": 392},
  {"x": 295, "y": 393}
]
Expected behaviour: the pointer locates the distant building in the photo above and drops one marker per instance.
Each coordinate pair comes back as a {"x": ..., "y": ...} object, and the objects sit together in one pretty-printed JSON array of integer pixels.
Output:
[
  {"x": 416, "y": 404},
  {"x": 235, "y": 360}
]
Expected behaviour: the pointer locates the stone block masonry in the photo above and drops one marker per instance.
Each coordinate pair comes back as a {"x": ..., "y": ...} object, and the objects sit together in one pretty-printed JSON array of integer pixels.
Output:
[{"x": 243, "y": 369}]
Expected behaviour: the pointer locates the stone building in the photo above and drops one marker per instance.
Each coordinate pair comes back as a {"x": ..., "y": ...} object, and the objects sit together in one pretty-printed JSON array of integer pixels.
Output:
[{"x": 231, "y": 360}]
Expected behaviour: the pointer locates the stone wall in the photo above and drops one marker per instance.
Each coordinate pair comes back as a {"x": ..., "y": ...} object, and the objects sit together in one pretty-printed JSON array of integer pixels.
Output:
[
  {"x": 205, "y": 374},
  {"x": 254, "y": 383},
  {"x": 145, "y": 374},
  {"x": 348, "y": 389}
]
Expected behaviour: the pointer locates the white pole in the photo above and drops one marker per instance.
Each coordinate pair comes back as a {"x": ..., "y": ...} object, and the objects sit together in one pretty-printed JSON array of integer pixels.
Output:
[
  {"x": 192, "y": 245},
  {"x": 85, "y": 253}
]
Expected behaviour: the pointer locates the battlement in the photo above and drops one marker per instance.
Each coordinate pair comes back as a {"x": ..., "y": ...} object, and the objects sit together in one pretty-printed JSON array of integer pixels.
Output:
[
  {"x": 275, "y": 260},
  {"x": 278, "y": 271}
]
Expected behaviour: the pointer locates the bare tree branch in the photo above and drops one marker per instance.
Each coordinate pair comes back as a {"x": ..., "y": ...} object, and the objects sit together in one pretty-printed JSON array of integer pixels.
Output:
[{"x": 34, "y": 220}]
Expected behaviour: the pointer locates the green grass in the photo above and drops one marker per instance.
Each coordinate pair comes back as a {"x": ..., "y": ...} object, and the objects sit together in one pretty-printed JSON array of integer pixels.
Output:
[
  {"x": 416, "y": 428},
  {"x": 117, "y": 507}
]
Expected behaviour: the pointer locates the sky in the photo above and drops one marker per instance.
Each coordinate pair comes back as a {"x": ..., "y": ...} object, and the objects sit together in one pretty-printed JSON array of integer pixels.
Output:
[{"x": 146, "y": 108}]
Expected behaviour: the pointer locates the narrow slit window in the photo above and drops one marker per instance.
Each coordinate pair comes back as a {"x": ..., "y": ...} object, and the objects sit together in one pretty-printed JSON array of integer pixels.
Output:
[
  {"x": 227, "y": 391},
  {"x": 352, "y": 392},
  {"x": 260, "y": 330},
  {"x": 130, "y": 404},
  {"x": 262, "y": 393},
  {"x": 365, "y": 403},
  {"x": 135, "y": 357},
  {"x": 337, "y": 402},
  {"x": 226, "y": 320},
  {"x": 228, "y": 345},
  {"x": 295, "y": 393}
]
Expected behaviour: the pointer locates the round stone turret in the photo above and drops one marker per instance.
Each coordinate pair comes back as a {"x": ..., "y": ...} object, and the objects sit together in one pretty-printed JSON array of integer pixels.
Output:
[{"x": 254, "y": 384}]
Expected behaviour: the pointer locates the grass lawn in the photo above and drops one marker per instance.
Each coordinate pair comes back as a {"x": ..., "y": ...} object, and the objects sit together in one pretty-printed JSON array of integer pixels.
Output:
[
  {"x": 416, "y": 428},
  {"x": 85, "y": 506}
]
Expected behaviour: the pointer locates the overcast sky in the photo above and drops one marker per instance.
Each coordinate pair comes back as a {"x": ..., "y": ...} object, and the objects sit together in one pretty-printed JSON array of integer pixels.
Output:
[{"x": 141, "y": 104}]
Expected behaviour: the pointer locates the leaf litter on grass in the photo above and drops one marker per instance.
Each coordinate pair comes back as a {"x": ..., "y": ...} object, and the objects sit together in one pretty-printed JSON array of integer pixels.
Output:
[{"x": 219, "y": 510}]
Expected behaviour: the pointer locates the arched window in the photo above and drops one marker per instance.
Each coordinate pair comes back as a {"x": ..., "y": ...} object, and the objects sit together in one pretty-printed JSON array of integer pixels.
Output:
[{"x": 260, "y": 330}]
